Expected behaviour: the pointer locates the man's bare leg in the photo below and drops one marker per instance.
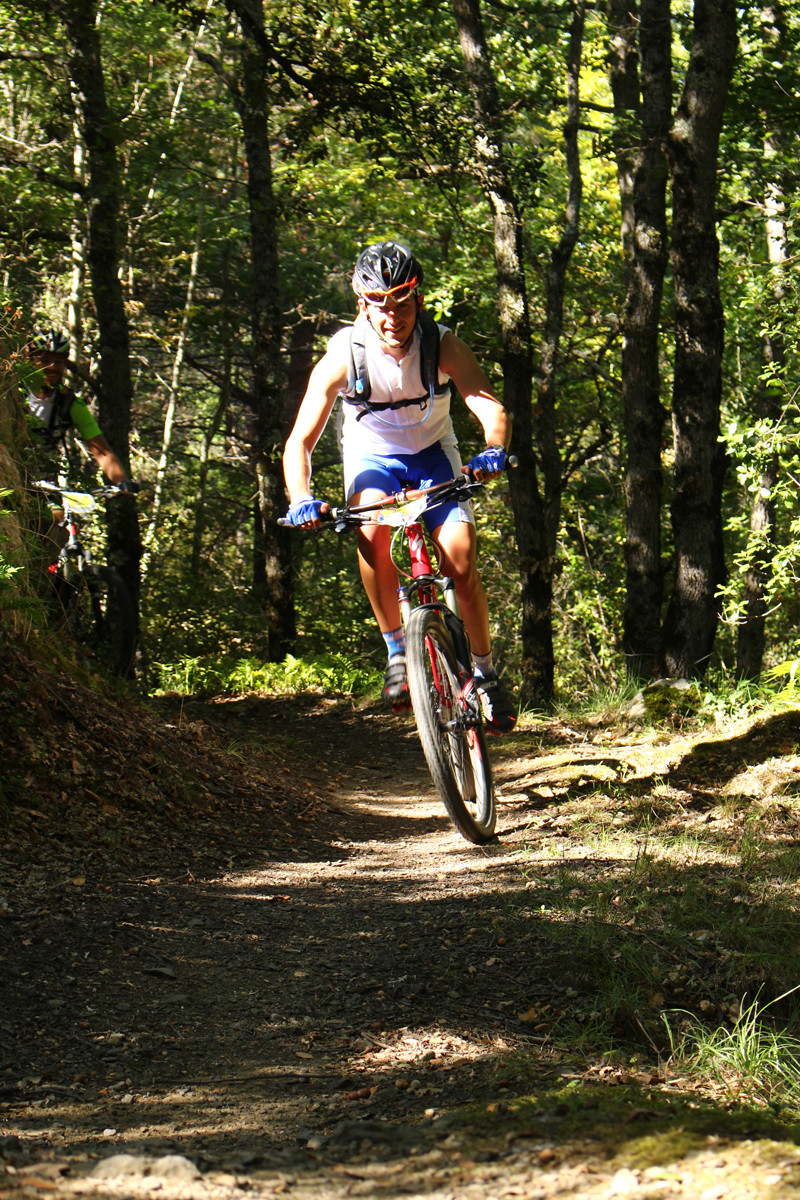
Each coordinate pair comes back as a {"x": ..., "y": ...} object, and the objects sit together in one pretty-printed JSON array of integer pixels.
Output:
[
  {"x": 457, "y": 545},
  {"x": 378, "y": 572}
]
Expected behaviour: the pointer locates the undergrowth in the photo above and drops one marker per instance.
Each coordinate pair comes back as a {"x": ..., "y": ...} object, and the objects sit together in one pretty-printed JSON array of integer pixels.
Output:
[{"x": 229, "y": 676}]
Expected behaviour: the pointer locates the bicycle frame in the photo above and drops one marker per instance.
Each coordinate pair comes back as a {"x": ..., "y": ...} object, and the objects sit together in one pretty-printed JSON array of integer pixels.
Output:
[
  {"x": 74, "y": 551},
  {"x": 76, "y": 505},
  {"x": 444, "y": 698},
  {"x": 426, "y": 586},
  {"x": 96, "y": 591}
]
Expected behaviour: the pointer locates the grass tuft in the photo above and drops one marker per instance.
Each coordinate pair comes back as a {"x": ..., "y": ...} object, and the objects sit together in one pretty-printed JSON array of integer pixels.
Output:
[{"x": 752, "y": 1059}]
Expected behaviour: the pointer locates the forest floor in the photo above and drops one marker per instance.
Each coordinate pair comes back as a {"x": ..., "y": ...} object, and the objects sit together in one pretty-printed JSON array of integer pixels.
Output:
[{"x": 244, "y": 953}]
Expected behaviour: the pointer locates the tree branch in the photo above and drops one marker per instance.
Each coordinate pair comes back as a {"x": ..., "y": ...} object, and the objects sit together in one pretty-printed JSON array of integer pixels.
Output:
[
  {"x": 9, "y": 159},
  {"x": 29, "y": 56},
  {"x": 254, "y": 29},
  {"x": 225, "y": 76},
  {"x": 34, "y": 235}
]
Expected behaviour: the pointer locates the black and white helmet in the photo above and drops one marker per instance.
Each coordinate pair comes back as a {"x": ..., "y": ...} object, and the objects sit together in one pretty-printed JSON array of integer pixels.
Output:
[
  {"x": 49, "y": 341},
  {"x": 385, "y": 266}
]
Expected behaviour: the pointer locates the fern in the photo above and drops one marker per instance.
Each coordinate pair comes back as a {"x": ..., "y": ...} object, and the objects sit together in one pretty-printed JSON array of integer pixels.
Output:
[{"x": 226, "y": 676}]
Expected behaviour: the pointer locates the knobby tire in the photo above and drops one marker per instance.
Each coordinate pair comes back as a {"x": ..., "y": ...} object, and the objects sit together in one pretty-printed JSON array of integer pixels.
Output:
[
  {"x": 100, "y": 616},
  {"x": 455, "y": 750}
]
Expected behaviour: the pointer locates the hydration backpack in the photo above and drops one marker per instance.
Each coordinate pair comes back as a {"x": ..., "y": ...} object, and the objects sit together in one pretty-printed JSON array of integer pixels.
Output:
[
  {"x": 59, "y": 422},
  {"x": 359, "y": 388}
]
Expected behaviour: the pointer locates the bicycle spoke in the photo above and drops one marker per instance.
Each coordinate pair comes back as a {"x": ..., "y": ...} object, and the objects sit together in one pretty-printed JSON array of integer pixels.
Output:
[{"x": 452, "y": 741}]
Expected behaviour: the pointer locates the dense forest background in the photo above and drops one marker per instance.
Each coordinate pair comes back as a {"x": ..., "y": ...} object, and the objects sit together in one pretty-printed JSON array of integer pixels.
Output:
[{"x": 604, "y": 198}]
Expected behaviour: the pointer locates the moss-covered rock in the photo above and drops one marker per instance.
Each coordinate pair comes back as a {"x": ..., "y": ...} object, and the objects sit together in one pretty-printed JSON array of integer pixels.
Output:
[{"x": 665, "y": 699}]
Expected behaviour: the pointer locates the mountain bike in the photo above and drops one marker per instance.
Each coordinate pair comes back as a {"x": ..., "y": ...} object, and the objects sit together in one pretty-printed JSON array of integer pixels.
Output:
[
  {"x": 91, "y": 601},
  {"x": 445, "y": 702}
]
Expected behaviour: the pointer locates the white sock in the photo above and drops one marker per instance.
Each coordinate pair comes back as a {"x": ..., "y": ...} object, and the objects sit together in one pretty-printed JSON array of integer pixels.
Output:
[
  {"x": 483, "y": 663},
  {"x": 395, "y": 642}
]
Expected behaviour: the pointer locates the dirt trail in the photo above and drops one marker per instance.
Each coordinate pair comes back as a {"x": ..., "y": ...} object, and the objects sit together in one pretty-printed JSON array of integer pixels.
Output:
[{"x": 322, "y": 1007}]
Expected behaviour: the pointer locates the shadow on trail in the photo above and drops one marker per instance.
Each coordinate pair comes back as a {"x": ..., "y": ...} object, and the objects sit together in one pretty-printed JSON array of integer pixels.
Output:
[
  {"x": 303, "y": 1023},
  {"x": 376, "y": 987}
]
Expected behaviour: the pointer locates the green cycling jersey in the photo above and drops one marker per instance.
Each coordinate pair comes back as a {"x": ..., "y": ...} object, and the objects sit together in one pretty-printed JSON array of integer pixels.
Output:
[{"x": 53, "y": 415}]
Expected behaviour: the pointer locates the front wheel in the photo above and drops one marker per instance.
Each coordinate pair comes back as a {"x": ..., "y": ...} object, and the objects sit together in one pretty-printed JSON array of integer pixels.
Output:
[
  {"x": 99, "y": 614},
  {"x": 450, "y": 727}
]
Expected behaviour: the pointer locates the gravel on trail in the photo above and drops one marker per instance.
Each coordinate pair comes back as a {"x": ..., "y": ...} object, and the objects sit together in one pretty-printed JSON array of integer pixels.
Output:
[{"x": 303, "y": 987}]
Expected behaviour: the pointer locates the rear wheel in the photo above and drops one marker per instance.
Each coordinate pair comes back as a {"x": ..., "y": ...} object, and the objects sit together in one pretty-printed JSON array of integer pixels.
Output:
[
  {"x": 449, "y": 723},
  {"x": 99, "y": 613}
]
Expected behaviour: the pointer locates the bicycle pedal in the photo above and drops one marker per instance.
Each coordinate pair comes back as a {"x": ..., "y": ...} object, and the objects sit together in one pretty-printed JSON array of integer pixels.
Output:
[{"x": 401, "y": 706}]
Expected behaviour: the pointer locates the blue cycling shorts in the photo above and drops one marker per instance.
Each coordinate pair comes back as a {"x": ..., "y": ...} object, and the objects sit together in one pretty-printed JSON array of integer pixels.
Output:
[{"x": 390, "y": 473}]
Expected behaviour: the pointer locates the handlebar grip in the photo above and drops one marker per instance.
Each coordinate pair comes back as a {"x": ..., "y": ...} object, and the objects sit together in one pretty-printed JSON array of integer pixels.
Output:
[
  {"x": 326, "y": 520},
  {"x": 512, "y": 461}
]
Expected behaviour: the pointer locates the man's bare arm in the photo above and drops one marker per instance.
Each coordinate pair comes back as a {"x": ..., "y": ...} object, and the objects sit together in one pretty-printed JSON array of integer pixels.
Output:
[
  {"x": 327, "y": 380},
  {"x": 457, "y": 360},
  {"x": 106, "y": 459}
]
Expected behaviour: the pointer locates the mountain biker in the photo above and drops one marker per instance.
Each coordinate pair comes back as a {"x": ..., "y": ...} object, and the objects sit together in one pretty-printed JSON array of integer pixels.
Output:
[
  {"x": 396, "y": 439},
  {"x": 53, "y": 410}
]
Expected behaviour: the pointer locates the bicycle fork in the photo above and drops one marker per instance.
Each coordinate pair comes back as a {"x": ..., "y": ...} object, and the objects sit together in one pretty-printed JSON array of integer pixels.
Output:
[{"x": 426, "y": 585}]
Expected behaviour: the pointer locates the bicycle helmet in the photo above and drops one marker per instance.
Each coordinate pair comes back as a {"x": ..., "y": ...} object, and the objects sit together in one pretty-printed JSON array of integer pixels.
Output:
[
  {"x": 49, "y": 341},
  {"x": 385, "y": 266}
]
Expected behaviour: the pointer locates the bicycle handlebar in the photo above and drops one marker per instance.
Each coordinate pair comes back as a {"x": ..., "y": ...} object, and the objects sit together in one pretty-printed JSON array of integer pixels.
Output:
[
  {"x": 108, "y": 489},
  {"x": 462, "y": 486}
]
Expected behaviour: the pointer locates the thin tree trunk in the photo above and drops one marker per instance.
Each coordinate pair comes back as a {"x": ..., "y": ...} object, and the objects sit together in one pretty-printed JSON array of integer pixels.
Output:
[
  {"x": 116, "y": 387},
  {"x": 226, "y": 337},
  {"x": 78, "y": 248},
  {"x": 642, "y": 112},
  {"x": 767, "y": 402},
  {"x": 691, "y": 619},
  {"x": 210, "y": 432},
  {"x": 174, "y": 394},
  {"x": 547, "y": 435},
  {"x": 147, "y": 207},
  {"x": 272, "y": 579},
  {"x": 264, "y": 429},
  {"x": 536, "y": 561}
]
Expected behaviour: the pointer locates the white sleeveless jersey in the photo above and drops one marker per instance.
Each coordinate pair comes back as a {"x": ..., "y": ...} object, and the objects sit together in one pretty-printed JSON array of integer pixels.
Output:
[
  {"x": 394, "y": 430},
  {"x": 41, "y": 408}
]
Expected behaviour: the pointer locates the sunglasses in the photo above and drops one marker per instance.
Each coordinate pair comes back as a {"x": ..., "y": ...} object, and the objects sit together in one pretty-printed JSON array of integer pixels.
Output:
[{"x": 394, "y": 296}]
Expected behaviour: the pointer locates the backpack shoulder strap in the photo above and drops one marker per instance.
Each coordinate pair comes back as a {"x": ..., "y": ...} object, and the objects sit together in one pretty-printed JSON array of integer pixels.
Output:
[
  {"x": 429, "y": 352},
  {"x": 65, "y": 399},
  {"x": 359, "y": 387},
  {"x": 59, "y": 421}
]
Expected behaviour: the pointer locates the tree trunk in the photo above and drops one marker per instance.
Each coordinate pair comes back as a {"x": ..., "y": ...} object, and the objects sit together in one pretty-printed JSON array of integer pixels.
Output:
[
  {"x": 174, "y": 393},
  {"x": 767, "y": 402},
  {"x": 77, "y": 247},
  {"x": 272, "y": 579},
  {"x": 767, "y": 405},
  {"x": 211, "y": 430},
  {"x": 642, "y": 113},
  {"x": 750, "y": 638},
  {"x": 15, "y": 588},
  {"x": 691, "y": 619},
  {"x": 547, "y": 434},
  {"x": 535, "y": 557},
  {"x": 115, "y": 389}
]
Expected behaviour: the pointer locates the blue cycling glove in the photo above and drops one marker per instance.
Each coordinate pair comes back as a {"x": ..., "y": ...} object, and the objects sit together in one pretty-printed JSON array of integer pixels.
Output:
[
  {"x": 492, "y": 459},
  {"x": 305, "y": 510}
]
